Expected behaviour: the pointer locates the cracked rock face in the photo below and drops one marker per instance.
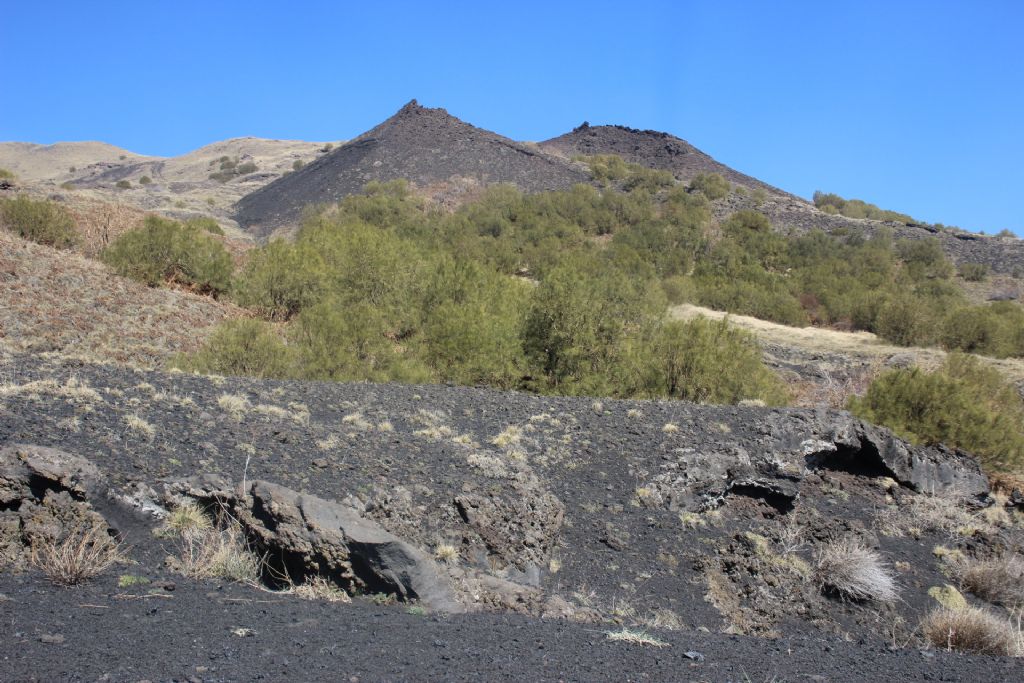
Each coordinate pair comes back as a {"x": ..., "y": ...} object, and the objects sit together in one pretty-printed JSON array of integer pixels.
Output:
[
  {"x": 43, "y": 492},
  {"x": 697, "y": 480}
]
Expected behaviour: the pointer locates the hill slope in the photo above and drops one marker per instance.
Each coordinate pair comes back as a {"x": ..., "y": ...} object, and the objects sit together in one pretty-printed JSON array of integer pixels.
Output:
[
  {"x": 424, "y": 146},
  {"x": 649, "y": 148}
]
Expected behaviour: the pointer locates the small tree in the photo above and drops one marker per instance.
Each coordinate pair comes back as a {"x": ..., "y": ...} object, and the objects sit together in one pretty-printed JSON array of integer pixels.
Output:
[{"x": 163, "y": 250}]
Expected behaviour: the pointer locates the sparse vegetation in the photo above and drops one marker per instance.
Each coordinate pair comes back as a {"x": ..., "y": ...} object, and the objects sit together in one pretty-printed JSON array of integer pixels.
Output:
[
  {"x": 9, "y": 175},
  {"x": 999, "y": 580},
  {"x": 635, "y": 637},
  {"x": 856, "y": 208},
  {"x": 974, "y": 630},
  {"x": 39, "y": 220},
  {"x": 973, "y": 272},
  {"x": 145, "y": 180},
  {"x": 854, "y": 571},
  {"x": 84, "y": 552},
  {"x": 123, "y": 184}
]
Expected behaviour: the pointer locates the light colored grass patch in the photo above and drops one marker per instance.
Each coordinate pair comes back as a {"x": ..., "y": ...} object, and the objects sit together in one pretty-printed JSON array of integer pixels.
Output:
[
  {"x": 854, "y": 571},
  {"x": 446, "y": 553},
  {"x": 235, "y": 405},
  {"x": 357, "y": 421},
  {"x": 182, "y": 519},
  {"x": 635, "y": 637},
  {"x": 73, "y": 389},
  {"x": 140, "y": 426},
  {"x": 320, "y": 588},
  {"x": 973, "y": 630}
]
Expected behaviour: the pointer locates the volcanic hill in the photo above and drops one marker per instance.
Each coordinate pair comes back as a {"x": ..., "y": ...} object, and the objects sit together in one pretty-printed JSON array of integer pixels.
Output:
[
  {"x": 422, "y": 145},
  {"x": 649, "y": 148}
]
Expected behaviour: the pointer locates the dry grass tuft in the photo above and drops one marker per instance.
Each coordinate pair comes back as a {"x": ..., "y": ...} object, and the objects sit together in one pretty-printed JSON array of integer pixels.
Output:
[
  {"x": 635, "y": 637},
  {"x": 235, "y": 405},
  {"x": 446, "y": 553},
  {"x": 218, "y": 553},
  {"x": 971, "y": 629},
  {"x": 856, "y": 572},
  {"x": 185, "y": 518},
  {"x": 999, "y": 580},
  {"x": 140, "y": 426},
  {"x": 83, "y": 553},
  {"x": 320, "y": 588}
]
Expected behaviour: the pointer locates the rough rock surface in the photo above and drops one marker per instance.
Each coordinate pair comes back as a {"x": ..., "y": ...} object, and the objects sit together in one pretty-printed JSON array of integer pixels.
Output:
[{"x": 421, "y": 145}]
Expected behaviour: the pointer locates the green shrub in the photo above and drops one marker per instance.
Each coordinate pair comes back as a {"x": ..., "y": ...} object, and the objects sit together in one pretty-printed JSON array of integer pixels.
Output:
[
  {"x": 145, "y": 180},
  {"x": 907, "y": 320},
  {"x": 163, "y": 250},
  {"x": 246, "y": 168},
  {"x": 964, "y": 404},
  {"x": 298, "y": 164},
  {"x": 579, "y": 322},
  {"x": 705, "y": 361},
  {"x": 123, "y": 184},
  {"x": 38, "y": 220},
  {"x": 1006, "y": 233},
  {"x": 8, "y": 175},
  {"x": 995, "y": 329},
  {"x": 242, "y": 347},
  {"x": 974, "y": 272},
  {"x": 711, "y": 185},
  {"x": 280, "y": 279},
  {"x": 206, "y": 223},
  {"x": 924, "y": 259},
  {"x": 472, "y": 324}
]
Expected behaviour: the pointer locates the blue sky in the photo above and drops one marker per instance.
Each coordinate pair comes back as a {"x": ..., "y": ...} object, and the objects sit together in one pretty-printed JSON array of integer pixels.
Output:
[{"x": 915, "y": 106}]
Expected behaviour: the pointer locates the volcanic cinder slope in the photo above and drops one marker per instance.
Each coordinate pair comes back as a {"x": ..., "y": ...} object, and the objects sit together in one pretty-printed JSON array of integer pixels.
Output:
[
  {"x": 422, "y": 145},
  {"x": 649, "y": 148},
  {"x": 560, "y": 519}
]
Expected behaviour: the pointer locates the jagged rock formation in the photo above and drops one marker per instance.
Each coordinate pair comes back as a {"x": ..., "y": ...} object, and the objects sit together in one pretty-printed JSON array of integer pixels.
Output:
[
  {"x": 649, "y": 148},
  {"x": 424, "y": 146}
]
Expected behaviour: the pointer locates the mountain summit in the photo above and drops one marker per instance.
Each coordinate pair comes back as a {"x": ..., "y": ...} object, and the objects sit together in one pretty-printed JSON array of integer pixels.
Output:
[{"x": 422, "y": 145}]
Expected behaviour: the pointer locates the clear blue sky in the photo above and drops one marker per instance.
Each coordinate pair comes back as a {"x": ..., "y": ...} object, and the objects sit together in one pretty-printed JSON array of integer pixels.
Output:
[{"x": 915, "y": 106}]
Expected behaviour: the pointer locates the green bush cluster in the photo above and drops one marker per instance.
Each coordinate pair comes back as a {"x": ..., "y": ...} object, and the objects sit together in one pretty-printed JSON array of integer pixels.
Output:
[
  {"x": 613, "y": 170},
  {"x": 711, "y": 185},
  {"x": 38, "y": 220},
  {"x": 123, "y": 184},
  {"x": 145, "y": 180},
  {"x": 7, "y": 175},
  {"x": 163, "y": 250},
  {"x": 510, "y": 291},
  {"x": 206, "y": 223},
  {"x": 856, "y": 208},
  {"x": 964, "y": 404},
  {"x": 565, "y": 292}
]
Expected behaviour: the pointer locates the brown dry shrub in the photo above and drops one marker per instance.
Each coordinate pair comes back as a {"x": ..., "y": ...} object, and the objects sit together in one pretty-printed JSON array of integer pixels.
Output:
[
  {"x": 82, "y": 554},
  {"x": 971, "y": 629},
  {"x": 999, "y": 580}
]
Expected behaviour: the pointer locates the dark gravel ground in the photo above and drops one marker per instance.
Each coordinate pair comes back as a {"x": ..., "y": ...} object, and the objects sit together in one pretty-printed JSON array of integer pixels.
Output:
[
  {"x": 404, "y": 452},
  {"x": 99, "y": 632}
]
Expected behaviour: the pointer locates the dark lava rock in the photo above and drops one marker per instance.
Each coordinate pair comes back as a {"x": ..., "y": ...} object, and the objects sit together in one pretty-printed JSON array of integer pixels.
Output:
[
  {"x": 424, "y": 146},
  {"x": 649, "y": 148}
]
